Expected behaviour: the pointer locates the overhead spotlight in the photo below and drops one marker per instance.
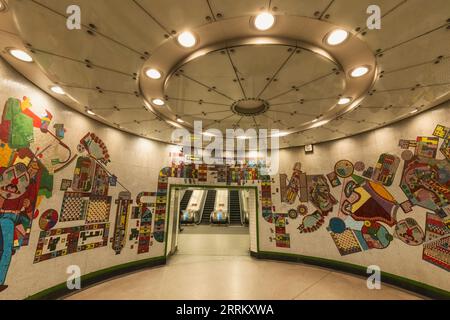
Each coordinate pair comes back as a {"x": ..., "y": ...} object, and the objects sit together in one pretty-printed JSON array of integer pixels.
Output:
[
  {"x": 187, "y": 39},
  {"x": 158, "y": 102},
  {"x": 92, "y": 113},
  {"x": 21, "y": 55},
  {"x": 414, "y": 111},
  {"x": 336, "y": 37},
  {"x": 264, "y": 21},
  {"x": 344, "y": 101},
  {"x": 57, "y": 90},
  {"x": 359, "y": 71},
  {"x": 180, "y": 120},
  {"x": 153, "y": 74}
]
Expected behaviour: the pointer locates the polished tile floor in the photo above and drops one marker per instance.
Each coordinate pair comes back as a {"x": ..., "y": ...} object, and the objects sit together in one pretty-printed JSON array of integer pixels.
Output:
[{"x": 217, "y": 266}]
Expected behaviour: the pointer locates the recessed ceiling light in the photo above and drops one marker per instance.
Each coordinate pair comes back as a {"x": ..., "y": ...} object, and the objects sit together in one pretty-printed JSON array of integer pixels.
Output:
[
  {"x": 344, "y": 101},
  {"x": 92, "y": 113},
  {"x": 264, "y": 21},
  {"x": 187, "y": 39},
  {"x": 158, "y": 102},
  {"x": 57, "y": 90},
  {"x": 414, "y": 111},
  {"x": 153, "y": 74},
  {"x": 21, "y": 55},
  {"x": 336, "y": 37},
  {"x": 180, "y": 120},
  {"x": 359, "y": 71}
]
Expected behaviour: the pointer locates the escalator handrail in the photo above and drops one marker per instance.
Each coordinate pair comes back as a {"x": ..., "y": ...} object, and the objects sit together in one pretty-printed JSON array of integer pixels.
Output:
[
  {"x": 203, "y": 207},
  {"x": 240, "y": 208}
]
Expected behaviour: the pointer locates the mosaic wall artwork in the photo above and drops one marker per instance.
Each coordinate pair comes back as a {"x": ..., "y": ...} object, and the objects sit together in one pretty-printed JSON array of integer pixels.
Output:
[
  {"x": 31, "y": 155},
  {"x": 146, "y": 210},
  {"x": 60, "y": 242},
  {"x": 27, "y": 167},
  {"x": 353, "y": 203},
  {"x": 366, "y": 215}
]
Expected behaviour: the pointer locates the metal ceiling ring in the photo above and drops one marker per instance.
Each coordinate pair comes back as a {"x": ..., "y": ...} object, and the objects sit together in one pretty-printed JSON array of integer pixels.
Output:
[
  {"x": 291, "y": 31},
  {"x": 251, "y": 41}
]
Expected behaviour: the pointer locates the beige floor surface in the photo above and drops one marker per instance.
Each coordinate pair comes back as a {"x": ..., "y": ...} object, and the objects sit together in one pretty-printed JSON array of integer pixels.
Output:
[{"x": 217, "y": 266}]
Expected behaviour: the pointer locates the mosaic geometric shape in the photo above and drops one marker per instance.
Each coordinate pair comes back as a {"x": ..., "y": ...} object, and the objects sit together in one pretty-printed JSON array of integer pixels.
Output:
[
  {"x": 360, "y": 166},
  {"x": 409, "y": 232},
  {"x": 426, "y": 182},
  {"x": 386, "y": 168},
  {"x": 445, "y": 149},
  {"x": 426, "y": 147},
  {"x": 65, "y": 241},
  {"x": 98, "y": 209},
  {"x": 48, "y": 219},
  {"x": 344, "y": 168},
  {"x": 74, "y": 206},
  {"x": 346, "y": 242},
  {"x": 311, "y": 222}
]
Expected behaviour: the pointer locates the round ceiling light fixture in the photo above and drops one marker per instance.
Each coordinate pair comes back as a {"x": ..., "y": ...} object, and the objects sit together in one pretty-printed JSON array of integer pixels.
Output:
[
  {"x": 343, "y": 101},
  {"x": 153, "y": 74},
  {"x": 187, "y": 39},
  {"x": 359, "y": 71},
  {"x": 264, "y": 21},
  {"x": 158, "y": 102},
  {"x": 336, "y": 37},
  {"x": 20, "y": 54},
  {"x": 280, "y": 134},
  {"x": 57, "y": 90}
]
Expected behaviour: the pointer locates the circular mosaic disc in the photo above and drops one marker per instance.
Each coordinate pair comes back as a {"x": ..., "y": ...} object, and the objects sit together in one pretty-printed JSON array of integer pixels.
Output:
[
  {"x": 293, "y": 214},
  {"x": 360, "y": 166},
  {"x": 407, "y": 155},
  {"x": 48, "y": 219},
  {"x": 302, "y": 210},
  {"x": 344, "y": 168},
  {"x": 337, "y": 225}
]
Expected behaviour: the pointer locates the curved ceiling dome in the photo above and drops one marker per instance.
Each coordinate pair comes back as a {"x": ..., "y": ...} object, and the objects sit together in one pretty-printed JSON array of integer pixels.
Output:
[{"x": 286, "y": 77}]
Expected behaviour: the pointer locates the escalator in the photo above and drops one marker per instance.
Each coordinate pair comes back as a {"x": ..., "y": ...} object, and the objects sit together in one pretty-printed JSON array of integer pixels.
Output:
[
  {"x": 208, "y": 206},
  {"x": 185, "y": 200},
  {"x": 234, "y": 208}
]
